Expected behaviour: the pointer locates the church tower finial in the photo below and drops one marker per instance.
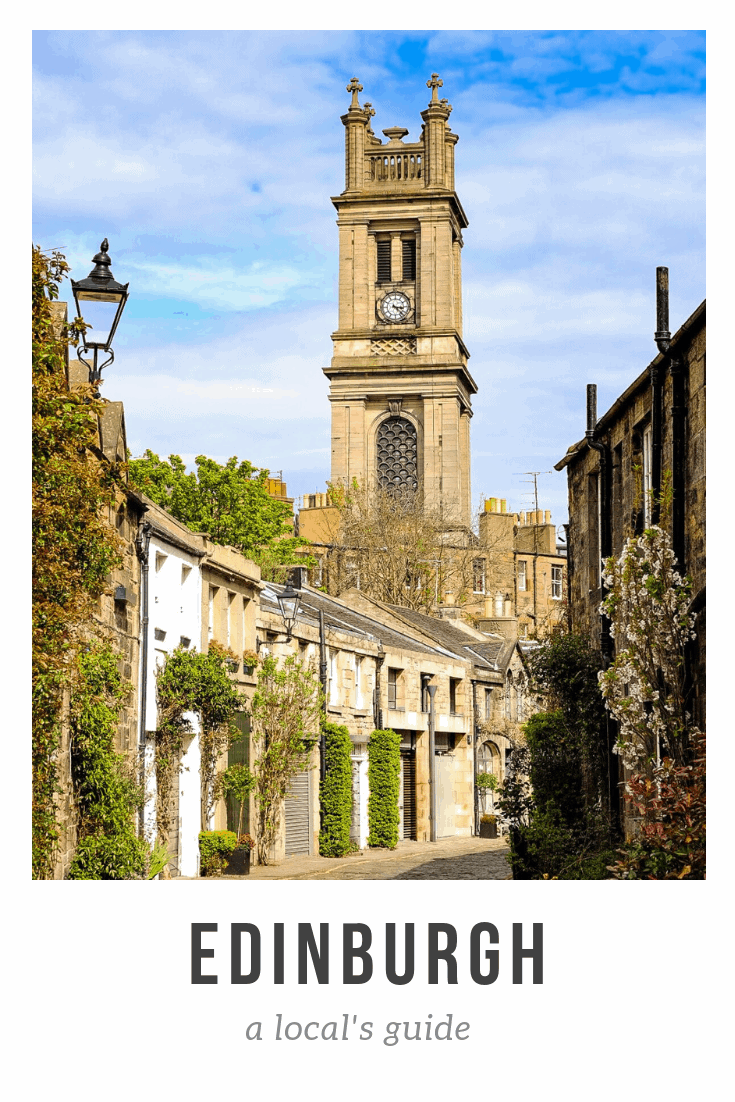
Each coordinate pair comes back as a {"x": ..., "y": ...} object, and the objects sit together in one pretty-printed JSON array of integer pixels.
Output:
[
  {"x": 354, "y": 86},
  {"x": 434, "y": 84}
]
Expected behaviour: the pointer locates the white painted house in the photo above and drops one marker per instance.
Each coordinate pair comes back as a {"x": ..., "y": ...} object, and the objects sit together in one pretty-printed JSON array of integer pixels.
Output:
[{"x": 171, "y": 604}]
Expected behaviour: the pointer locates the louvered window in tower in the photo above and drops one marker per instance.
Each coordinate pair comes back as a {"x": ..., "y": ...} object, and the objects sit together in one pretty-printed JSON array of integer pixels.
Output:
[
  {"x": 409, "y": 259},
  {"x": 397, "y": 455},
  {"x": 383, "y": 261}
]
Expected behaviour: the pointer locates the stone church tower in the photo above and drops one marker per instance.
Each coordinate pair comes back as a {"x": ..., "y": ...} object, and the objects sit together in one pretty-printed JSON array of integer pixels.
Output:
[{"x": 399, "y": 384}]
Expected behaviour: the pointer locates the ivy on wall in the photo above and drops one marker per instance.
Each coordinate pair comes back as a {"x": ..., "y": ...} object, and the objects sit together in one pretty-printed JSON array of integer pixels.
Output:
[
  {"x": 106, "y": 791},
  {"x": 336, "y": 792},
  {"x": 384, "y": 777},
  {"x": 74, "y": 547}
]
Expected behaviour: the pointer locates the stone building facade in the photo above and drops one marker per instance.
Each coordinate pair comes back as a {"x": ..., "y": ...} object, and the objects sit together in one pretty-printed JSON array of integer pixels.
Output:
[
  {"x": 518, "y": 573},
  {"x": 513, "y": 570},
  {"x": 655, "y": 429},
  {"x": 400, "y": 388},
  {"x": 377, "y": 662},
  {"x": 116, "y": 616}
]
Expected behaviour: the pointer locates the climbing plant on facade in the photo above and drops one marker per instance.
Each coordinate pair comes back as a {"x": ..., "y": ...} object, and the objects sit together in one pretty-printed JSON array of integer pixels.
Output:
[
  {"x": 106, "y": 790},
  {"x": 74, "y": 547},
  {"x": 336, "y": 792},
  {"x": 285, "y": 713},
  {"x": 190, "y": 682},
  {"x": 384, "y": 778}
]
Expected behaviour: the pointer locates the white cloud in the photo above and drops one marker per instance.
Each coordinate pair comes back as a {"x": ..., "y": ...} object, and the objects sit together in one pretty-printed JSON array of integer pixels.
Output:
[
  {"x": 232, "y": 145},
  {"x": 214, "y": 285}
]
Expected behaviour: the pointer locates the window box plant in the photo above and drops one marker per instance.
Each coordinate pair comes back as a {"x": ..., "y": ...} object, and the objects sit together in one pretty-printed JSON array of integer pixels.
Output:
[{"x": 249, "y": 662}]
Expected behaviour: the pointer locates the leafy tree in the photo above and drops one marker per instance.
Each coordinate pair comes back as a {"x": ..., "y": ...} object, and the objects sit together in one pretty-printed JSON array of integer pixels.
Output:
[
  {"x": 74, "y": 546},
  {"x": 285, "y": 713},
  {"x": 397, "y": 550},
  {"x": 564, "y": 675},
  {"x": 555, "y": 797},
  {"x": 229, "y": 502},
  {"x": 236, "y": 781},
  {"x": 645, "y": 687}
]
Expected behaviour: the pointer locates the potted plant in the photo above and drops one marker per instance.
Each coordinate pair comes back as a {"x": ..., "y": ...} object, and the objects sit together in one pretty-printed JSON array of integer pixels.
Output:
[
  {"x": 249, "y": 662},
  {"x": 238, "y": 863},
  {"x": 237, "y": 781},
  {"x": 215, "y": 846},
  {"x": 488, "y": 826}
]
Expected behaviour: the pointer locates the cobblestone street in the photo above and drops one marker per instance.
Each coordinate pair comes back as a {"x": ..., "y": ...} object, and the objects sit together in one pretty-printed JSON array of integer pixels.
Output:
[{"x": 448, "y": 859}]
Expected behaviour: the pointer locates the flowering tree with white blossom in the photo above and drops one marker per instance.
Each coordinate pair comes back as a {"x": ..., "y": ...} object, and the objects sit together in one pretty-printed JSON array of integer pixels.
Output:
[{"x": 648, "y": 607}]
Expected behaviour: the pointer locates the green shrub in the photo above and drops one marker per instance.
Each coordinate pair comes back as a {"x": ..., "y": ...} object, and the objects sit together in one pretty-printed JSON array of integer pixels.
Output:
[
  {"x": 107, "y": 795},
  {"x": 336, "y": 792},
  {"x": 215, "y": 846},
  {"x": 555, "y": 764},
  {"x": 487, "y": 780},
  {"x": 549, "y": 849},
  {"x": 670, "y": 842},
  {"x": 119, "y": 856},
  {"x": 384, "y": 776}
]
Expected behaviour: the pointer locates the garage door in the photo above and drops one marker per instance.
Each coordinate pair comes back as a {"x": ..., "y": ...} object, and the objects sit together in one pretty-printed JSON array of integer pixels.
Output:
[{"x": 297, "y": 816}]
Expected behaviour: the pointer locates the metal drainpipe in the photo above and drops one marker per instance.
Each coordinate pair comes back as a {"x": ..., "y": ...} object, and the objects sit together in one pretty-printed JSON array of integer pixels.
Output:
[
  {"x": 605, "y": 544},
  {"x": 662, "y": 338},
  {"x": 569, "y": 580},
  {"x": 431, "y": 689},
  {"x": 473, "y": 726},
  {"x": 377, "y": 710},
  {"x": 323, "y": 679},
  {"x": 142, "y": 545},
  {"x": 606, "y": 643}
]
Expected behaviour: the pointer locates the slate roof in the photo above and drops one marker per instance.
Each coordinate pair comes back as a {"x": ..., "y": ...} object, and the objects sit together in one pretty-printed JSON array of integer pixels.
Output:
[
  {"x": 341, "y": 618},
  {"x": 493, "y": 652}
]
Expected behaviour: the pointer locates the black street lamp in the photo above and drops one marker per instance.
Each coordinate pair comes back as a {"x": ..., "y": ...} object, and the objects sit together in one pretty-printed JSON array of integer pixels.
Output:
[
  {"x": 100, "y": 301},
  {"x": 289, "y": 602}
]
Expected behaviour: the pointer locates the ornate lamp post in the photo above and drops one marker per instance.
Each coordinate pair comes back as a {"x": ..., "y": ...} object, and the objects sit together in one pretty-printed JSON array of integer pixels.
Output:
[
  {"x": 100, "y": 301},
  {"x": 288, "y": 602}
]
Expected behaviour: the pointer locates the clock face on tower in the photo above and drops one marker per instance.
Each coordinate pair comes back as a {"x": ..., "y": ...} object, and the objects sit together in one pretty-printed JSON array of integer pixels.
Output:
[{"x": 395, "y": 306}]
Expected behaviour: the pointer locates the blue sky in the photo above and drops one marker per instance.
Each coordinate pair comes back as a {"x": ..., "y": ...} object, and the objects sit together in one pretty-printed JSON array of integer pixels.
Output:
[{"x": 208, "y": 159}]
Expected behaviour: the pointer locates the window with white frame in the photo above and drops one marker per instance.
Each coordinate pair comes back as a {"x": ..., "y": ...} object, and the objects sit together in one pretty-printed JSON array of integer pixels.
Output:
[
  {"x": 229, "y": 624},
  {"x": 213, "y": 590},
  {"x": 521, "y": 571},
  {"x": 647, "y": 474},
  {"x": 333, "y": 678},
  {"x": 521, "y": 699},
  {"x": 358, "y": 681},
  {"x": 478, "y": 575},
  {"x": 557, "y": 574}
]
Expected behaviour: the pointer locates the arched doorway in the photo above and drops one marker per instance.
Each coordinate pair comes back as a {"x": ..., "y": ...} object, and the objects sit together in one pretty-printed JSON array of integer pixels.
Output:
[{"x": 488, "y": 765}]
